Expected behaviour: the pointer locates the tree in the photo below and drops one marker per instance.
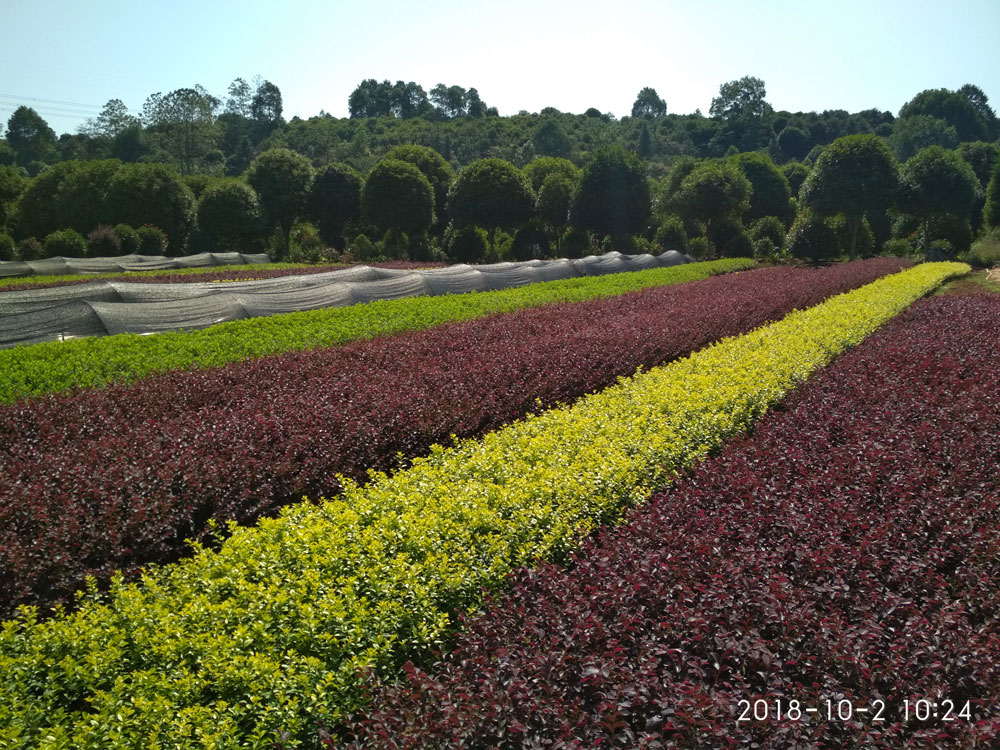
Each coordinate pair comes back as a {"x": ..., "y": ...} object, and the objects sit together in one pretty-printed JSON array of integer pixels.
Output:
[
  {"x": 437, "y": 171},
  {"x": 38, "y": 206},
  {"x": 409, "y": 100},
  {"x": 613, "y": 198},
  {"x": 450, "y": 101},
  {"x": 114, "y": 119},
  {"x": 184, "y": 121},
  {"x": 854, "y": 175},
  {"x": 951, "y": 106},
  {"x": 30, "y": 136},
  {"x": 771, "y": 194},
  {"x": 240, "y": 98},
  {"x": 371, "y": 99},
  {"x": 714, "y": 192},
  {"x": 979, "y": 101},
  {"x": 12, "y": 184},
  {"x": 538, "y": 170},
  {"x": 914, "y": 132},
  {"x": 398, "y": 198},
  {"x": 335, "y": 201},
  {"x": 549, "y": 139},
  {"x": 812, "y": 238},
  {"x": 649, "y": 104},
  {"x": 265, "y": 110},
  {"x": 981, "y": 157},
  {"x": 796, "y": 173},
  {"x": 745, "y": 113},
  {"x": 991, "y": 211},
  {"x": 82, "y": 202},
  {"x": 229, "y": 215},
  {"x": 554, "y": 202},
  {"x": 935, "y": 184},
  {"x": 282, "y": 179},
  {"x": 492, "y": 194},
  {"x": 153, "y": 194},
  {"x": 793, "y": 143}
]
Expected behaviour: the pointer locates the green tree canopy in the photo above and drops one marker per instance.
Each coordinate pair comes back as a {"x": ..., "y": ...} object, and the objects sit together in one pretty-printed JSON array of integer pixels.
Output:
[
  {"x": 796, "y": 173},
  {"x": 335, "y": 201},
  {"x": 649, "y": 103},
  {"x": 912, "y": 133},
  {"x": 953, "y": 107},
  {"x": 282, "y": 179},
  {"x": 555, "y": 200},
  {"x": 771, "y": 194},
  {"x": 549, "y": 139},
  {"x": 229, "y": 215},
  {"x": 153, "y": 194},
  {"x": 12, "y": 184},
  {"x": 31, "y": 137},
  {"x": 38, "y": 206},
  {"x": 398, "y": 197},
  {"x": 613, "y": 198},
  {"x": 433, "y": 166},
  {"x": 744, "y": 111},
  {"x": 937, "y": 181},
  {"x": 980, "y": 156},
  {"x": 853, "y": 176},
  {"x": 492, "y": 194},
  {"x": 714, "y": 192},
  {"x": 82, "y": 199},
  {"x": 538, "y": 170},
  {"x": 183, "y": 122},
  {"x": 991, "y": 211}
]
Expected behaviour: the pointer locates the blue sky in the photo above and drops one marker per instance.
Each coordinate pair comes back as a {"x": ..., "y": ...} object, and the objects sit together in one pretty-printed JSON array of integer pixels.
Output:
[{"x": 67, "y": 58}]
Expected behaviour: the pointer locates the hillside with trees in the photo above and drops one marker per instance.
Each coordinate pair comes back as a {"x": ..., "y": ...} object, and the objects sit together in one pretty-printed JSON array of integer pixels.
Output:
[{"x": 439, "y": 174}]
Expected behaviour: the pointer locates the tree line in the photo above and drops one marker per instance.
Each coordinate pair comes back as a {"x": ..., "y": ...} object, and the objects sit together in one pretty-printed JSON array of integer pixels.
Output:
[{"x": 443, "y": 176}]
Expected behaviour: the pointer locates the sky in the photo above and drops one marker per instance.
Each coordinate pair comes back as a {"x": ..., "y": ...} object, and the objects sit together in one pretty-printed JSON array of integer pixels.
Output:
[{"x": 67, "y": 58}]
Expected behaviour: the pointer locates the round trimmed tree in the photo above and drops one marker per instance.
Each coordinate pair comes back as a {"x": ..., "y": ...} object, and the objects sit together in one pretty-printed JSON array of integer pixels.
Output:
[
  {"x": 716, "y": 193},
  {"x": 854, "y": 175},
  {"x": 153, "y": 194},
  {"x": 613, "y": 198},
  {"x": 229, "y": 214},
  {"x": 282, "y": 179},
  {"x": 398, "y": 198},
  {"x": 493, "y": 194},
  {"x": 335, "y": 201}
]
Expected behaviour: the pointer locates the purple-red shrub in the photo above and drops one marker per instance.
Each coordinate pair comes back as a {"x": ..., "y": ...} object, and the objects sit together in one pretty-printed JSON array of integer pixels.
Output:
[
  {"x": 846, "y": 551},
  {"x": 119, "y": 477}
]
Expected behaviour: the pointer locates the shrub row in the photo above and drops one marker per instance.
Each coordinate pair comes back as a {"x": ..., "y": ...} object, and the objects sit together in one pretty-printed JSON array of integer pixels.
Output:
[
  {"x": 55, "y": 366},
  {"x": 255, "y": 642},
  {"x": 120, "y": 477},
  {"x": 845, "y": 552}
]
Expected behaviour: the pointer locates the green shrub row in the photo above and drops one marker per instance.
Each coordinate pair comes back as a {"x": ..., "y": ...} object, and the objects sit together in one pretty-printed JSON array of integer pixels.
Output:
[
  {"x": 55, "y": 366},
  {"x": 256, "y": 642}
]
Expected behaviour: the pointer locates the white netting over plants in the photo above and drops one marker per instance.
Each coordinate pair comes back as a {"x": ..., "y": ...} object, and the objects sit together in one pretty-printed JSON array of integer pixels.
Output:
[
  {"x": 104, "y": 307},
  {"x": 66, "y": 266}
]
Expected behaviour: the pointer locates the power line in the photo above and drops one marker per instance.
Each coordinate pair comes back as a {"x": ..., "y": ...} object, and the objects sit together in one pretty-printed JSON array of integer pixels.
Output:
[{"x": 51, "y": 101}]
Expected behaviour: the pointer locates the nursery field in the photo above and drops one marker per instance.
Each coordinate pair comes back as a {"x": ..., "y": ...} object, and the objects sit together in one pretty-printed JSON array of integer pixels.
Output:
[
  {"x": 273, "y": 634},
  {"x": 830, "y": 581},
  {"x": 113, "y": 479}
]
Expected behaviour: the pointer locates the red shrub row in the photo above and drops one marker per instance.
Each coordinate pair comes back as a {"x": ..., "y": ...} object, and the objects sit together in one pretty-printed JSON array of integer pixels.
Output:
[
  {"x": 120, "y": 477},
  {"x": 846, "y": 552}
]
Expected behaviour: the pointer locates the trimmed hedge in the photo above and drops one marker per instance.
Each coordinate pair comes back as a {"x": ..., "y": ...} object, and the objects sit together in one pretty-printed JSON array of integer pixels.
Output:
[{"x": 256, "y": 642}]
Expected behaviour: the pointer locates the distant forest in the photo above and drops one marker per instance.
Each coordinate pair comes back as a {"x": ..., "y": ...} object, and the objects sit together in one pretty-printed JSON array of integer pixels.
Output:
[{"x": 201, "y": 139}]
